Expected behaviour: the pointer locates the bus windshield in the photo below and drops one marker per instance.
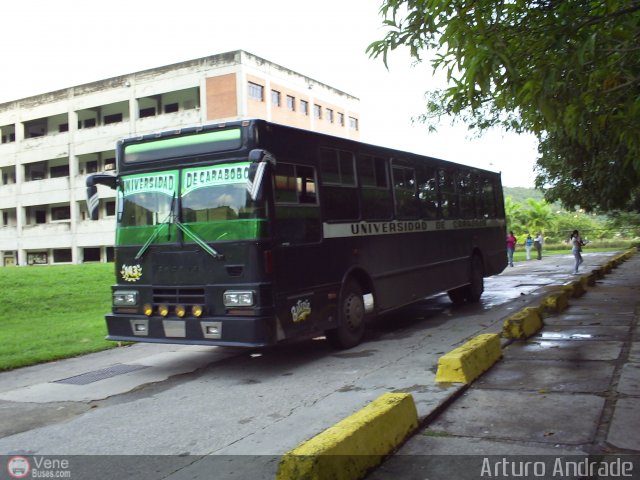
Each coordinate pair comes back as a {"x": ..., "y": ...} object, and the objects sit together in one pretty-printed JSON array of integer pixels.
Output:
[{"x": 214, "y": 205}]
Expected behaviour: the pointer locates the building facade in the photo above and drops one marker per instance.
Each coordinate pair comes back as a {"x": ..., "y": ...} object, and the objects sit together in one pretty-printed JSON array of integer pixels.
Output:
[{"x": 51, "y": 142}]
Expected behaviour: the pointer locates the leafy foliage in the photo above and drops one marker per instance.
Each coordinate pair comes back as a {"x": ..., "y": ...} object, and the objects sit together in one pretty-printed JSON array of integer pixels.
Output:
[{"x": 566, "y": 70}]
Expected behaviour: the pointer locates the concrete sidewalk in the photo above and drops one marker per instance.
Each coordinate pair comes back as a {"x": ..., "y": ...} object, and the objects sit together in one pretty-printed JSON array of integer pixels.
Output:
[{"x": 552, "y": 406}]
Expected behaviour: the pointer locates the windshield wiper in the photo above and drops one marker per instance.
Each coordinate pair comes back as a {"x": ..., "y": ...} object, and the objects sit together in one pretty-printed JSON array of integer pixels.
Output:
[{"x": 172, "y": 219}]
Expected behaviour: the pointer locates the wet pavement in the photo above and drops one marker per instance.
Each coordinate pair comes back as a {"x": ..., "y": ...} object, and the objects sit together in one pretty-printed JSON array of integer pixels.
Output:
[{"x": 565, "y": 403}]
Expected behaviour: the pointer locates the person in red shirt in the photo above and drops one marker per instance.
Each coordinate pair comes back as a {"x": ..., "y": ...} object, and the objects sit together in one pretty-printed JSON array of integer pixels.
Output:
[{"x": 511, "y": 247}]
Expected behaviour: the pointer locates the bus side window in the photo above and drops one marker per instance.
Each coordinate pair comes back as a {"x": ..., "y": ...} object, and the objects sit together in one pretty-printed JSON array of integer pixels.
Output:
[
  {"x": 404, "y": 186},
  {"x": 339, "y": 192},
  {"x": 375, "y": 195},
  {"x": 467, "y": 188},
  {"x": 488, "y": 197},
  {"x": 427, "y": 193},
  {"x": 448, "y": 194},
  {"x": 297, "y": 211}
]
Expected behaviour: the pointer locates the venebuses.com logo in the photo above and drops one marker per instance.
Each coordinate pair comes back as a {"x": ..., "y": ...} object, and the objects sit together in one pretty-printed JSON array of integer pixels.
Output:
[
  {"x": 38, "y": 467},
  {"x": 18, "y": 467}
]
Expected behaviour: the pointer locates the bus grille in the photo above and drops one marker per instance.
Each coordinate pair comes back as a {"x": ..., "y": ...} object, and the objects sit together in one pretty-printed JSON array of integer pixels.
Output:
[{"x": 178, "y": 296}]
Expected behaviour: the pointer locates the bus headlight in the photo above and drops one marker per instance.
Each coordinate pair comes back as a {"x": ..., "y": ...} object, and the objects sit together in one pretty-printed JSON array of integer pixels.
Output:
[
  {"x": 125, "y": 298},
  {"x": 238, "y": 299}
]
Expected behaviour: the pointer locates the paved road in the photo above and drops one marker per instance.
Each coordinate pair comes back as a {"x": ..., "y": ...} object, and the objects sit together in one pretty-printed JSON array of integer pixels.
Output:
[{"x": 195, "y": 401}]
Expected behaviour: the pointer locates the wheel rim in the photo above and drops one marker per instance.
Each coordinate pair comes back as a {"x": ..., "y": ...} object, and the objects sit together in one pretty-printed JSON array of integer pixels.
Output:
[{"x": 353, "y": 312}]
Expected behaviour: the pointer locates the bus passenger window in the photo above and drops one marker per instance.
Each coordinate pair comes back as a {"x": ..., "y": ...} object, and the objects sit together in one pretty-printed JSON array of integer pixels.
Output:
[
  {"x": 339, "y": 193},
  {"x": 297, "y": 212},
  {"x": 427, "y": 193},
  {"x": 488, "y": 198},
  {"x": 375, "y": 195},
  {"x": 467, "y": 188},
  {"x": 448, "y": 194},
  {"x": 404, "y": 184}
]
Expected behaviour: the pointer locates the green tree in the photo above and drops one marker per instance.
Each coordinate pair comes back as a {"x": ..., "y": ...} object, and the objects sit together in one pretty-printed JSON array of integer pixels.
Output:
[
  {"x": 538, "y": 216},
  {"x": 566, "y": 70},
  {"x": 514, "y": 214}
]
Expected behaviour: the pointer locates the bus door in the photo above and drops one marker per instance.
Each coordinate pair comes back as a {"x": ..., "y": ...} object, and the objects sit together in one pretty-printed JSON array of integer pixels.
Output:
[{"x": 298, "y": 258}]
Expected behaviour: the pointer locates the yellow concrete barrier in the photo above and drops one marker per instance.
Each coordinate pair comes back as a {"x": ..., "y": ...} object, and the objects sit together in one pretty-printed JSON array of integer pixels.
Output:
[
  {"x": 347, "y": 450},
  {"x": 574, "y": 289},
  {"x": 556, "y": 302},
  {"x": 523, "y": 324},
  {"x": 469, "y": 361}
]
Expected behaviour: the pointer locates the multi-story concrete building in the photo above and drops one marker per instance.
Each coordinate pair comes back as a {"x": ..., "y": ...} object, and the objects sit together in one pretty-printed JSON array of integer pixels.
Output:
[{"x": 50, "y": 142}]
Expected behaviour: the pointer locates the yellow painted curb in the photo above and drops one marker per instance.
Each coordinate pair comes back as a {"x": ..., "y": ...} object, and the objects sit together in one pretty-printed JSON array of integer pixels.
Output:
[
  {"x": 354, "y": 445},
  {"x": 469, "y": 361},
  {"x": 574, "y": 289},
  {"x": 523, "y": 324},
  {"x": 588, "y": 280},
  {"x": 556, "y": 302}
]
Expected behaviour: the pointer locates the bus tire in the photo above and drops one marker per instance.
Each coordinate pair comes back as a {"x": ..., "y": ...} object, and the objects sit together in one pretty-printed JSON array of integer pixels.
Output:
[
  {"x": 351, "y": 319},
  {"x": 458, "y": 295},
  {"x": 476, "y": 285}
]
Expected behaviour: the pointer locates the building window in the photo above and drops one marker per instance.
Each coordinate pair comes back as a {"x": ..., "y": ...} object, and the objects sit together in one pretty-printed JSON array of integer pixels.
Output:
[
  {"x": 329, "y": 115},
  {"x": 91, "y": 254},
  {"x": 353, "y": 123},
  {"x": 171, "y": 107},
  {"x": 90, "y": 123},
  {"x": 291, "y": 103},
  {"x": 60, "y": 213},
  {"x": 147, "y": 112},
  {"x": 256, "y": 91},
  {"x": 109, "y": 164},
  {"x": 59, "y": 171},
  {"x": 110, "y": 208},
  {"x": 341, "y": 119},
  {"x": 304, "y": 107},
  {"x": 317, "y": 112},
  {"x": 63, "y": 127},
  {"x": 41, "y": 216},
  {"x": 115, "y": 118},
  {"x": 275, "y": 98},
  {"x": 62, "y": 255},
  {"x": 92, "y": 166}
]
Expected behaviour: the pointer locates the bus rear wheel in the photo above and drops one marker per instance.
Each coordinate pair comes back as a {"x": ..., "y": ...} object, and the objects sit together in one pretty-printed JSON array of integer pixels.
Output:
[
  {"x": 471, "y": 292},
  {"x": 352, "y": 319}
]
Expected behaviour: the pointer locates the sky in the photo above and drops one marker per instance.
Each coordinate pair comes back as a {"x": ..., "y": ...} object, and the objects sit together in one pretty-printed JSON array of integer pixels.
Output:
[{"x": 54, "y": 45}]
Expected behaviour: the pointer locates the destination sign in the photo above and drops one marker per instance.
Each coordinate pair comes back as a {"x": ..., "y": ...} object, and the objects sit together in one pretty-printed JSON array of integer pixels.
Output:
[
  {"x": 202, "y": 177},
  {"x": 163, "y": 182}
]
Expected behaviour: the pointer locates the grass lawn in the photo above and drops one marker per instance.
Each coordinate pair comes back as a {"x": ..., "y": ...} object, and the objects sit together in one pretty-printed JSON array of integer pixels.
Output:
[{"x": 53, "y": 312}]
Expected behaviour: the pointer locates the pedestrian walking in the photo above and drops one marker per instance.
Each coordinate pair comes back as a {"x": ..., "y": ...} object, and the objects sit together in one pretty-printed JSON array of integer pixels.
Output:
[
  {"x": 511, "y": 247},
  {"x": 528, "y": 243},
  {"x": 537, "y": 244},
  {"x": 576, "y": 249}
]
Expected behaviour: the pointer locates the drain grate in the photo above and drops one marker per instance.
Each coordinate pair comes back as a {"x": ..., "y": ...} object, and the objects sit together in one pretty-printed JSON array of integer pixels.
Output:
[{"x": 103, "y": 373}]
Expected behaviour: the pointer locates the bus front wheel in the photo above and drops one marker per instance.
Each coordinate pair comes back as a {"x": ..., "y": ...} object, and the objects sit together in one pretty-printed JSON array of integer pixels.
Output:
[{"x": 352, "y": 318}]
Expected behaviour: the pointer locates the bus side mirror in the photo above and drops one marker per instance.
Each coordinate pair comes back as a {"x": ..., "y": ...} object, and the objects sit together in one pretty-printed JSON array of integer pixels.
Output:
[
  {"x": 92, "y": 191},
  {"x": 260, "y": 160}
]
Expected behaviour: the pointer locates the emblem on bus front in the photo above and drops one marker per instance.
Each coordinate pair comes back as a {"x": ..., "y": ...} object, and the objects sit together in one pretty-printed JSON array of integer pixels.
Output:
[
  {"x": 301, "y": 311},
  {"x": 131, "y": 273}
]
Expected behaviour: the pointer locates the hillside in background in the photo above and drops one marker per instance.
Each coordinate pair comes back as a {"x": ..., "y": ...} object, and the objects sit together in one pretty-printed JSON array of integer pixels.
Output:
[{"x": 521, "y": 194}]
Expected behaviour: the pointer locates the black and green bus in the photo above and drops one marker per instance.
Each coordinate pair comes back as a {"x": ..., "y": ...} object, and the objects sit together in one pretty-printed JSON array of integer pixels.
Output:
[{"x": 251, "y": 233}]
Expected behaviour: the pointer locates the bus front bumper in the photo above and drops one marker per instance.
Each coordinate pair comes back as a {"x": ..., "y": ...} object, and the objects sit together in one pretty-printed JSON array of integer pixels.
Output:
[{"x": 234, "y": 331}]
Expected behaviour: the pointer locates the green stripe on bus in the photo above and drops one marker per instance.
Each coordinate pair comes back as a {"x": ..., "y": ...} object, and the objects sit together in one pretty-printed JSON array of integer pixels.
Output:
[
  {"x": 225, "y": 230},
  {"x": 246, "y": 229},
  {"x": 140, "y": 234},
  {"x": 197, "y": 139}
]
